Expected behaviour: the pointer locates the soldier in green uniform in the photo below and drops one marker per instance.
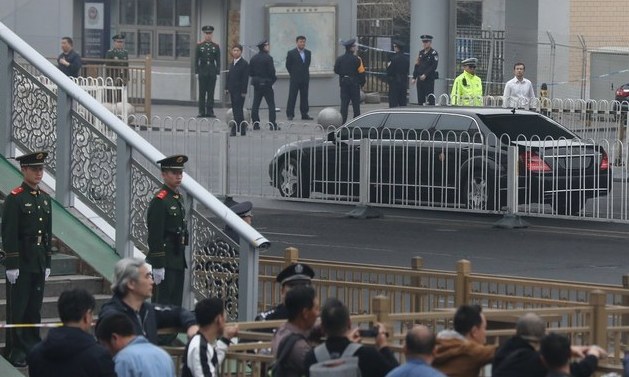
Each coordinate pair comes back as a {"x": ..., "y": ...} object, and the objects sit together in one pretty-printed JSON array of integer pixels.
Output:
[
  {"x": 207, "y": 66},
  {"x": 118, "y": 52},
  {"x": 26, "y": 235},
  {"x": 168, "y": 234}
]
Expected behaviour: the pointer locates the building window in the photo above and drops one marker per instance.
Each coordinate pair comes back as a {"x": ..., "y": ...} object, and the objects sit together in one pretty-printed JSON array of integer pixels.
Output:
[
  {"x": 469, "y": 14},
  {"x": 160, "y": 28}
]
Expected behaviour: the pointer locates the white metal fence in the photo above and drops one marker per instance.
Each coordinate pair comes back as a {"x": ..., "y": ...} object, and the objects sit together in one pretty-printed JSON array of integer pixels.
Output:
[{"x": 583, "y": 178}]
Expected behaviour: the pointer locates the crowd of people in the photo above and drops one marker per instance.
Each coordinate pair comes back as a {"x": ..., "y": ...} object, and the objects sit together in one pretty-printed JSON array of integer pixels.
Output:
[{"x": 467, "y": 88}]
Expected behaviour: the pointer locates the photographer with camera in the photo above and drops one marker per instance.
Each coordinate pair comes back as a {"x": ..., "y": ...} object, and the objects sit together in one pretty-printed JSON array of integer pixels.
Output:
[{"x": 343, "y": 343}]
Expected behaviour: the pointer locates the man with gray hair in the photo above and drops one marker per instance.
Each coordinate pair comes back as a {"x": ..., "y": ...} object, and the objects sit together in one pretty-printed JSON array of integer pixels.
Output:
[
  {"x": 419, "y": 349},
  {"x": 520, "y": 357},
  {"x": 132, "y": 285}
]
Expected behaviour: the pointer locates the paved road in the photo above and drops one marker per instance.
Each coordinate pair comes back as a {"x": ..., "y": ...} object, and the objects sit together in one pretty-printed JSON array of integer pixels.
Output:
[
  {"x": 549, "y": 248},
  {"x": 555, "y": 249}
]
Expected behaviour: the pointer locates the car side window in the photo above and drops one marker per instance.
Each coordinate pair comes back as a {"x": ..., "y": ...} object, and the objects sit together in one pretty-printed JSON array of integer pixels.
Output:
[
  {"x": 363, "y": 126},
  {"x": 453, "y": 127},
  {"x": 408, "y": 125}
]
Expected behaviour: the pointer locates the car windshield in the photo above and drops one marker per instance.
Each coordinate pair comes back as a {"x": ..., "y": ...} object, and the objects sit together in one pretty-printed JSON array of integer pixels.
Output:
[{"x": 526, "y": 125}]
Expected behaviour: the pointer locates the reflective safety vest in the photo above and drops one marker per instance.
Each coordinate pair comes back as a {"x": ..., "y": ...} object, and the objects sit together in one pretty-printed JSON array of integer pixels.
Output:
[{"x": 467, "y": 90}]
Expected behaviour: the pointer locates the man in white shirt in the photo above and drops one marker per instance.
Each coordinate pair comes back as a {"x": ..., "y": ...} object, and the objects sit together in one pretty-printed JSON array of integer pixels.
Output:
[
  {"x": 518, "y": 91},
  {"x": 206, "y": 350}
]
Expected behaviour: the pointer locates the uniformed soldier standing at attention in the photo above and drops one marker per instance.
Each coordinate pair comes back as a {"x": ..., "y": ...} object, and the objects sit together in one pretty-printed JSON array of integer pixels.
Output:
[
  {"x": 425, "y": 71},
  {"x": 351, "y": 73},
  {"x": 118, "y": 52},
  {"x": 397, "y": 73},
  {"x": 26, "y": 236},
  {"x": 168, "y": 234},
  {"x": 467, "y": 89},
  {"x": 292, "y": 276},
  {"x": 208, "y": 66}
]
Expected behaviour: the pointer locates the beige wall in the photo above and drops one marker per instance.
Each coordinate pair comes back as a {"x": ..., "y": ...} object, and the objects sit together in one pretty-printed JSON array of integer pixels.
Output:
[{"x": 602, "y": 24}]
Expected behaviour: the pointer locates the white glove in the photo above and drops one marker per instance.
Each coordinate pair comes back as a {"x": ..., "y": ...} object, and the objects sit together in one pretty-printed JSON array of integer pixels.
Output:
[
  {"x": 12, "y": 275},
  {"x": 47, "y": 274},
  {"x": 159, "y": 274}
]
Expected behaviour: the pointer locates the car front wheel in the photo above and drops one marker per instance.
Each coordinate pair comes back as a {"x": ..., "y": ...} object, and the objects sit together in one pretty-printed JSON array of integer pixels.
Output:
[{"x": 290, "y": 182}]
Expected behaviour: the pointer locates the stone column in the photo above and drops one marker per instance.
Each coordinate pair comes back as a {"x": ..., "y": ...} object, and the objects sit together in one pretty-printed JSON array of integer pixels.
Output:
[{"x": 437, "y": 18}]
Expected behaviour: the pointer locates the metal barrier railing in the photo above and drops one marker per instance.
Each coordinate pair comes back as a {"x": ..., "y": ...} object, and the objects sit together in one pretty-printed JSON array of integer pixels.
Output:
[
  {"x": 118, "y": 179},
  {"x": 583, "y": 325}
]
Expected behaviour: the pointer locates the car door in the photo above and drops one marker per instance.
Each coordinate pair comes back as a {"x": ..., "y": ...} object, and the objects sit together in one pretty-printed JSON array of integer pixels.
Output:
[
  {"x": 398, "y": 156},
  {"x": 341, "y": 157},
  {"x": 453, "y": 142}
]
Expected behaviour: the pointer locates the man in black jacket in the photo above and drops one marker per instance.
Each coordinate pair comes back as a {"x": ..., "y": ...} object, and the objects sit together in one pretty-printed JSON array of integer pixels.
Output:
[
  {"x": 69, "y": 61},
  {"x": 520, "y": 357},
  {"x": 70, "y": 350},
  {"x": 351, "y": 73},
  {"x": 132, "y": 285},
  {"x": 425, "y": 71},
  {"x": 397, "y": 73},
  {"x": 298, "y": 66},
  {"x": 262, "y": 72},
  {"x": 336, "y": 324},
  {"x": 237, "y": 82}
]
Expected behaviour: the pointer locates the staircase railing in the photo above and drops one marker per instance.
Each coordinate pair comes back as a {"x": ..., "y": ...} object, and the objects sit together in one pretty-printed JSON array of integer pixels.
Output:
[{"x": 115, "y": 176}]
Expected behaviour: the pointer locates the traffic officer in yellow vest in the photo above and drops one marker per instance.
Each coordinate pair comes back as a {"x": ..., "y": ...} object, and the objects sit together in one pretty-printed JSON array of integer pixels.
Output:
[
  {"x": 168, "y": 234},
  {"x": 207, "y": 66},
  {"x": 118, "y": 53},
  {"x": 467, "y": 89},
  {"x": 26, "y": 236}
]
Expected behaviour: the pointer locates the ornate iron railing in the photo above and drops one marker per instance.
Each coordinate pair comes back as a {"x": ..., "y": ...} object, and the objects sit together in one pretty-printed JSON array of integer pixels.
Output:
[{"x": 95, "y": 158}]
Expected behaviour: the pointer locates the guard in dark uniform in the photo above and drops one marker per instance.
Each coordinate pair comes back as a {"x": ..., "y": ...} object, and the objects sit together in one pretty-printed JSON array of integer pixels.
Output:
[
  {"x": 351, "y": 73},
  {"x": 425, "y": 71},
  {"x": 262, "y": 72},
  {"x": 207, "y": 66},
  {"x": 397, "y": 73},
  {"x": 292, "y": 276},
  {"x": 26, "y": 239},
  {"x": 168, "y": 234},
  {"x": 118, "y": 53},
  {"x": 244, "y": 211}
]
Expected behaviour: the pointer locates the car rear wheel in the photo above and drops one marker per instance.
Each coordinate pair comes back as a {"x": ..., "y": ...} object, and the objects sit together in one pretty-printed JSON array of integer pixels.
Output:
[
  {"x": 478, "y": 191},
  {"x": 290, "y": 182}
]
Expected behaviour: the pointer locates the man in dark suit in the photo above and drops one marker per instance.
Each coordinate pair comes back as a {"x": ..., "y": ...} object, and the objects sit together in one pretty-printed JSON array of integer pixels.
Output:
[
  {"x": 262, "y": 72},
  {"x": 298, "y": 66},
  {"x": 237, "y": 81},
  {"x": 397, "y": 73}
]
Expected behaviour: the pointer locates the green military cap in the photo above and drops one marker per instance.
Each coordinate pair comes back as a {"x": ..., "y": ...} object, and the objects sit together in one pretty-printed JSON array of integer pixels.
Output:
[
  {"x": 32, "y": 159},
  {"x": 118, "y": 36},
  {"x": 426, "y": 38},
  {"x": 207, "y": 29},
  {"x": 173, "y": 162}
]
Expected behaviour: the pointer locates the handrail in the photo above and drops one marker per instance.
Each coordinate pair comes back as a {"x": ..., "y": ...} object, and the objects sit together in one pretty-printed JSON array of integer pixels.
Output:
[{"x": 137, "y": 143}]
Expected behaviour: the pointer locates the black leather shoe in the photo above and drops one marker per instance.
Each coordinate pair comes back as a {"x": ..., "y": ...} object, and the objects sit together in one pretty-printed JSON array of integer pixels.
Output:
[
  {"x": 307, "y": 117},
  {"x": 19, "y": 363},
  {"x": 200, "y": 115},
  {"x": 211, "y": 115},
  {"x": 289, "y": 118}
]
